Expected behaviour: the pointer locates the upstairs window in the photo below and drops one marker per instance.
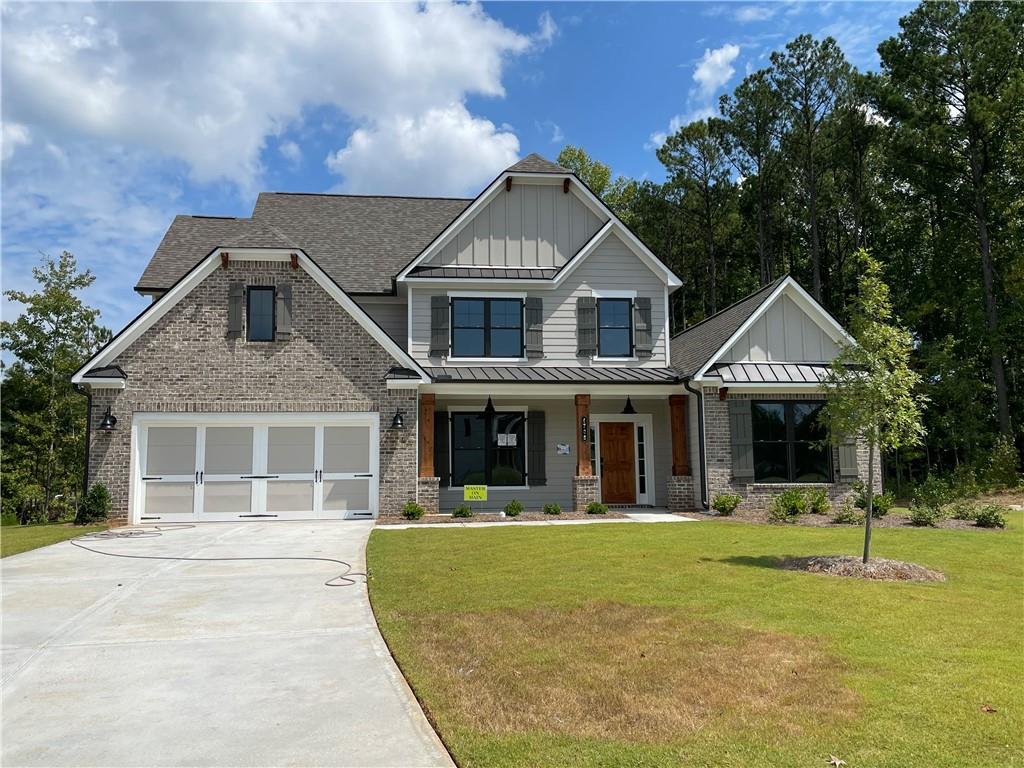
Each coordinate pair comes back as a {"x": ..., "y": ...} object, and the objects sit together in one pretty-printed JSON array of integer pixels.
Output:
[
  {"x": 614, "y": 328},
  {"x": 790, "y": 442},
  {"x": 487, "y": 327},
  {"x": 260, "y": 314}
]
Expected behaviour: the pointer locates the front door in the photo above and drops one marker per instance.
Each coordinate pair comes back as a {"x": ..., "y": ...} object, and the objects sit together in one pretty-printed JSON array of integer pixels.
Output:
[{"x": 618, "y": 463}]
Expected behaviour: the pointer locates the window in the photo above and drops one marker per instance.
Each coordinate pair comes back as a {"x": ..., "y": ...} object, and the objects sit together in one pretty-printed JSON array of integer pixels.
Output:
[
  {"x": 261, "y": 314},
  {"x": 790, "y": 443},
  {"x": 487, "y": 327},
  {"x": 489, "y": 450},
  {"x": 614, "y": 328}
]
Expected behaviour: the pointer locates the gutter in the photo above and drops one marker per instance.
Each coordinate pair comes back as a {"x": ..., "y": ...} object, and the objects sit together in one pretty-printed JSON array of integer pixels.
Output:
[
  {"x": 87, "y": 394},
  {"x": 700, "y": 441}
]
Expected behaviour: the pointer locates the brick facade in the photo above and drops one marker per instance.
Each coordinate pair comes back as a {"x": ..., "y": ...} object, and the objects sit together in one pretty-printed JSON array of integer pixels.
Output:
[
  {"x": 428, "y": 494},
  {"x": 680, "y": 494},
  {"x": 584, "y": 491},
  {"x": 185, "y": 364}
]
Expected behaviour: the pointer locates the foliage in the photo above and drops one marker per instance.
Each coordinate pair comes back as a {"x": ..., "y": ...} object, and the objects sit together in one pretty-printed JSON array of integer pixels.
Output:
[
  {"x": 1002, "y": 469},
  {"x": 95, "y": 506},
  {"x": 961, "y": 509},
  {"x": 725, "y": 503},
  {"x": 463, "y": 510},
  {"x": 934, "y": 492},
  {"x": 617, "y": 194},
  {"x": 412, "y": 511},
  {"x": 552, "y": 509},
  {"x": 597, "y": 508},
  {"x": 964, "y": 482},
  {"x": 925, "y": 516},
  {"x": 991, "y": 516},
  {"x": 881, "y": 503},
  {"x": 817, "y": 501},
  {"x": 514, "y": 508},
  {"x": 787, "y": 506},
  {"x": 848, "y": 514}
]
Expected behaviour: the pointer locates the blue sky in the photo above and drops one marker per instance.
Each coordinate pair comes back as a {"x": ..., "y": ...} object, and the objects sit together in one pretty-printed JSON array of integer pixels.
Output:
[{"x": 117, "y": 116}]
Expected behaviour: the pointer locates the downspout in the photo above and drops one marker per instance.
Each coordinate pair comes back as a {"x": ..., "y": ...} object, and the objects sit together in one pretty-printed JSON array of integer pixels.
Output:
[
  {"x": 87, "y": 393},
  {"x": 700, "y": 441}
]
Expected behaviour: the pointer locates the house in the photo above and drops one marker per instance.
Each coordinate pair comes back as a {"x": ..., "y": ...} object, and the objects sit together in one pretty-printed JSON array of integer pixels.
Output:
[{"x": 337, "y": 356}]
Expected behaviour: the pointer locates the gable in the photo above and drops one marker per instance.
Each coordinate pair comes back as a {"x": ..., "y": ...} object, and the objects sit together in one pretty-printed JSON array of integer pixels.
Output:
[
  {"x": 532, "y": 226},
  {"x": 785, "y": 332}
]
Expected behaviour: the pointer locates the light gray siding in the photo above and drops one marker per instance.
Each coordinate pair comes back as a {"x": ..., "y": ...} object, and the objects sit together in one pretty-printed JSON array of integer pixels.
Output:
[
  {"x": 391, "y": 314},
  {"x": 785, "y": 332},
  {"x": 612, "y": 266},
  {"x": 531, "y": 225}
]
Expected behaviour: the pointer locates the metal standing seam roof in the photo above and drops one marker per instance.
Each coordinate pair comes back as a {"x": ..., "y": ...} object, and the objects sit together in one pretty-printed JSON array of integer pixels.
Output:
[
  {"x": 552, "y": 375},
  {"x": 106, "y": 372},
  {"x": 771, "y": 373},
  {"x": 496, "y": 273}
]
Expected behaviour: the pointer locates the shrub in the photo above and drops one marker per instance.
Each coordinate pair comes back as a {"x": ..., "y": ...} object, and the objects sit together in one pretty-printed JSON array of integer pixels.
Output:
[
  {"x": 991, "y": 516},
  {"x": 412, "y": 511},
  {"x": 964, "y": 482},
  {"x": 596, "y": 508},
  {"x": 1002, "y": 466},
  {"x": 462, "y": 510},
  {"x": 817, "y": 501},
  {"x": 848, "y": 514},
  {"x": 925, "y": 516},
  {"x": 514, "y": 508},
  {"x": 787, "y": 506},
  {"x": 962, "y": 510},
  {"x": 95, "y": 506},
  {"x": 934, "y": 493},
  {"x": 552, "y": 509},
  {"x": 725, "y": 503},
  {"x": 881, "y": 503}
]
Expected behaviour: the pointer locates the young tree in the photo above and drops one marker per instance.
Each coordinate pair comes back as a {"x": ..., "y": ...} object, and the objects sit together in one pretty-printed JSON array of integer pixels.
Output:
[
  {"x": 872, "y": 391},
  {"x": 619, "y": 193}
]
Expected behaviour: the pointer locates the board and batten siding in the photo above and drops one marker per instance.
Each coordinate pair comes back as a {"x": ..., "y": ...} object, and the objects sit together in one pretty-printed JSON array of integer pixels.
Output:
[
  {"x": 390, "y": 314},
  {"x": 530, "y": 226},
  {"x": 612, "y": 266},
  {"x": 784, "y": 333}
]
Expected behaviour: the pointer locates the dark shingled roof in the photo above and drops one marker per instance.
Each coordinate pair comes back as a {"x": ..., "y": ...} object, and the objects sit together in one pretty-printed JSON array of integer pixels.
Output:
[
  {"x": 692, "y": 348},
  {"x": 551, "y": 375},
  {"x": 475, "y": 273},
  {"x": 536, "y": 164}
]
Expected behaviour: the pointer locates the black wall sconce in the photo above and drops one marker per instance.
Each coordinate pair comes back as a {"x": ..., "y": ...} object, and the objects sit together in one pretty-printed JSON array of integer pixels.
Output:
[
  {"x": 398, "y": 422},
  {"x": 109, "y": 421},
  {"x": 629, "y": 409}
]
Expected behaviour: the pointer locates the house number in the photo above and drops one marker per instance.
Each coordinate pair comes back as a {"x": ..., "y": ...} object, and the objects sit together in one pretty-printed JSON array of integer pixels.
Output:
[{"x": 585, "y": 428}]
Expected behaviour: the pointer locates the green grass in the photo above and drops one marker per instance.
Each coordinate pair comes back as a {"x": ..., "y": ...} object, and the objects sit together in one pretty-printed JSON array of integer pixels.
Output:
[
  {"x": 677, "y": 644},
  {"x": 15, "y": 539}
]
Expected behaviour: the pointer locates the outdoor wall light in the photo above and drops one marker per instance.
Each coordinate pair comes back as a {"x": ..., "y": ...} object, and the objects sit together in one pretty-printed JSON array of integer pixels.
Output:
[
  {"x": 398, "y": 422},
  {"x": 629, "y": 410},
  {"x": 109, "y": 421},
  {"x": 489, "y": 409}
]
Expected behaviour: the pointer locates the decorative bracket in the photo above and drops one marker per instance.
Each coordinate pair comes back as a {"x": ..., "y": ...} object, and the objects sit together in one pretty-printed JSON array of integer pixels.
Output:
[
  {"x": 224, "y": 259},
  {"x": 294, "y": 259},
  {"x": 508, "y": 184}
]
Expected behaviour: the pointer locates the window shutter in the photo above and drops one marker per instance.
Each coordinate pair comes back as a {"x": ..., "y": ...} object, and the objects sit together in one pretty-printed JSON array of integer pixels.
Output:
[
  {"x": 236, "y": 294},
  {"x": 848, "y": 458},
  {"x": 283, "y": 313},
  {"x": 741, "y": 438},
  {"x": 536, "y": 442},
  {"x": 439, "y": 333},
  {"x": 586, "y": 326},
  {"x": 534, "y": 327},
  {"x": 442, "y": 432},
  {"x": 642, "y": 341}
]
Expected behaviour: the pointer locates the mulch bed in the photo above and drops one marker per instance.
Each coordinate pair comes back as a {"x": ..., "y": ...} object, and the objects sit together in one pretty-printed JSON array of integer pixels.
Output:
[
  {"x": 892, "y": 520},
  {"x": 493, "y": 517},
  {"x": 876, "y": 568}
]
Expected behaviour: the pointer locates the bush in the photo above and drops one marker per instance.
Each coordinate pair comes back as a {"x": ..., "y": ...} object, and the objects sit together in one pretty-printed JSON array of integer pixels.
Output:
[
  {"x": 925, "y": 516},
  {"x": 787, "y": 506},
  {"x": 552, "y": 509},
  {"x": 961, "y": 510},
  {"x": 934, "y": 493},
  {"x": 725, "y": 503},
  {"x": 881, "y": 503},
  {"x": 848, "y": 514},
  {"x": 514, "y": 508},
  {"x": 991, "y": 516},
  {"x": 596, "y": 508},
  {"x": 1002, "y": 467},
  {"x": 412, "y": 511},
  {"x": 964, "y": 482},
  {"x": 817, "y": 501},
  {"x": 462, "y": 510},
  {"x": 95, "y": 506}
]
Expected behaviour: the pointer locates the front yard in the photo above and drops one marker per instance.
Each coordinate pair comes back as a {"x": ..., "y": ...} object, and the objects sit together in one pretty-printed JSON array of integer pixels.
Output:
[
  {"x": 683, "y": 644},
  {"x": 15, "y": 539}
]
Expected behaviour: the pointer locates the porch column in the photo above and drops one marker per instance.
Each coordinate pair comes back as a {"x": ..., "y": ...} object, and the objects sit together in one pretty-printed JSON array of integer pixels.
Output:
[
  {"x": 680, "y": 485},
  {"x": 584, "y": 465},
  {"x": 427, "y": 482}
]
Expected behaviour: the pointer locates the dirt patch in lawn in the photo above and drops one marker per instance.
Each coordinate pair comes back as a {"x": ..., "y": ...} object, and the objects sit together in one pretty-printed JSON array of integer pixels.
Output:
[
  {"x": 494, "y": 517},
  {"x": 613, "y": 671},
  {"x": 876, "y": 568}
]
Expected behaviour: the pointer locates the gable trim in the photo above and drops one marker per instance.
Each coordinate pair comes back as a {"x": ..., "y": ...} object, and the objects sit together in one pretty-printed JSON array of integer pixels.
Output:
[{"x": 151, "y": 314}]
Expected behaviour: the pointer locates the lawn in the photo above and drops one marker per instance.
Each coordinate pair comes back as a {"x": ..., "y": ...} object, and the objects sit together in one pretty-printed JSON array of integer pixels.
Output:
[
  {"x": 15, "y": 539},
  {"x": 682, "y": 644}
]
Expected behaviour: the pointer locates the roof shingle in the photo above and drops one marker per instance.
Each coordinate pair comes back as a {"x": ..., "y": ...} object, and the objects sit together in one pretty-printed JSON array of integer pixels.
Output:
[{"x": 534, "y": 163}]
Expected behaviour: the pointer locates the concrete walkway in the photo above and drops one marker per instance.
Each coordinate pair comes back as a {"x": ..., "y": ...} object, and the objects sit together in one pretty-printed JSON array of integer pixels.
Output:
[
  {"x": 118, "y": 662},
  {"x": 643, "y": 516}
]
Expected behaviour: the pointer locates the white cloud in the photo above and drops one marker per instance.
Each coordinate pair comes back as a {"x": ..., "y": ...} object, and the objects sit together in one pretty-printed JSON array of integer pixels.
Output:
[
  {"x": 715, "y": 68},
  {"x": 291, "y": 152},
  {"x": 656, "y": 139},
  {"x": 547, "y": 30},
  {"x": 750, "y": 13},
  {"x": 13, "y": 136},
  {"x": 556, "y": 135}
]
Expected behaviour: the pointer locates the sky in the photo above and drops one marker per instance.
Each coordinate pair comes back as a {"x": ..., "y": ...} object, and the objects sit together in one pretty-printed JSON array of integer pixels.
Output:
[{"x": 115, "y": 117}]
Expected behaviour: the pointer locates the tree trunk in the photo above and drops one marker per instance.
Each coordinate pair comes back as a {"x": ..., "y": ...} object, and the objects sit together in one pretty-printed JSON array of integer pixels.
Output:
[
  {"x": 812, "y": 211},
  {"x": 871, "y": 499},
  {"x": 762, "y": 250}
]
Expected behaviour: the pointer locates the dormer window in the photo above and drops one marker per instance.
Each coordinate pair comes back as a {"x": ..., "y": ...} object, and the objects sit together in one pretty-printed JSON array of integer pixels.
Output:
[{"x": 485, "y": 327}]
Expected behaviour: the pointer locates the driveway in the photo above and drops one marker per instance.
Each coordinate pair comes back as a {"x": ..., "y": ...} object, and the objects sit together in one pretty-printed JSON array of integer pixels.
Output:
[{"x": 115, "y": 662}]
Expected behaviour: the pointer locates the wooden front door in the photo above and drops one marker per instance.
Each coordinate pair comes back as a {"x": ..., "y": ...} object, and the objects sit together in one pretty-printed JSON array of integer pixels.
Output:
[{"x": 618, "y": 462}]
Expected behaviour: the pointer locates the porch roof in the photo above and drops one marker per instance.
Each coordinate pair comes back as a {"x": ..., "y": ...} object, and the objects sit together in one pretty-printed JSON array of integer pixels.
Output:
[
  {"x": 770, "y": 373},
  {"x": 552, "y": 375}
]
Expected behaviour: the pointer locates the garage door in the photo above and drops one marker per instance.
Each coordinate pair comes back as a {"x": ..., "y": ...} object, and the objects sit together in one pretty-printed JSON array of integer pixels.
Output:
[{"x": 246, "y": 467}]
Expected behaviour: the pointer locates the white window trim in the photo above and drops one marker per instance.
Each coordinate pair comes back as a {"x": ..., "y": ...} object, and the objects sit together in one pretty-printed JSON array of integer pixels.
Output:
[
  {"x": 646, "y": 420},
  {"x": 451, "y": 357},
  {"x": 615, "y": 294},
  {"x": 496, "y": 294},
  {"x": 599, "y": 293},
  {"x": 469, "y": 408}
]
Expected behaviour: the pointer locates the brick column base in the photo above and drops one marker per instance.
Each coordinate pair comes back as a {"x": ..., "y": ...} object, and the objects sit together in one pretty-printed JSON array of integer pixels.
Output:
[
  {"x": 427, "y": 494},
  {"x": 680, "y": 494},
  {"x": 584, "y": 491}
]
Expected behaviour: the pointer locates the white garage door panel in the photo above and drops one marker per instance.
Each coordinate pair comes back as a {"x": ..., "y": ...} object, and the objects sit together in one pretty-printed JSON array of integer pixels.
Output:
[{"x": 255, "y": 466}]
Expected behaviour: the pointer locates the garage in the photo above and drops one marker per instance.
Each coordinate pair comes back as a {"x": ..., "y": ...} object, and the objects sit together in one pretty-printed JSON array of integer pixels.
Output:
[{"x": 265, "y": 467}]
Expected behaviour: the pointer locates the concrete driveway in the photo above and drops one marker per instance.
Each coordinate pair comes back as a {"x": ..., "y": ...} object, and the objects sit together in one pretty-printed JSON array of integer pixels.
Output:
[{"x": 117, "y": 662}]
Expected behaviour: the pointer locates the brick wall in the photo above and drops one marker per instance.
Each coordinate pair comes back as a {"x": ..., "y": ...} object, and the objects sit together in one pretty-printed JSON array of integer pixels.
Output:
[
  {"x": 680, "y": 493},
  {"x": 584, "y": 491},
  {"x": 185, "y": 363}
]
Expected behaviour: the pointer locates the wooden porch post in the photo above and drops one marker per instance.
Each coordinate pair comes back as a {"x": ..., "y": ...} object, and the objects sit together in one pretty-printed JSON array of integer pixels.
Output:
[
  {"x": 584, "y": 465},
  {"x": 426, "y": 427},
  {"x": 680, "y": 455}
]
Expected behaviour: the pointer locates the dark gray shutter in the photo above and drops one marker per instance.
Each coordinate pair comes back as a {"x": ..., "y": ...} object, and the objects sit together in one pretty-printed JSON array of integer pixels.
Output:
[
  {"x": 439, "y": 333},
  {"x": 586, "y": 326},
  {"x": 442, "y": 431},
  {"x": 534, "y": 327},
  {"x": 741, "y": 438},
  {"x": 536, "y": 443},
  {"x": 848, "y": 458},
  {"x": 283, "y": 313},
  {"x": 642, "y": 338},
  {"x": 236, "y": 294}
]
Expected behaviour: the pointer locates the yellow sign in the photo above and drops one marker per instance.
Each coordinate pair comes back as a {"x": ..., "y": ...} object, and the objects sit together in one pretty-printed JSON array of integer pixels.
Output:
[{"x": 474, "y": 493}]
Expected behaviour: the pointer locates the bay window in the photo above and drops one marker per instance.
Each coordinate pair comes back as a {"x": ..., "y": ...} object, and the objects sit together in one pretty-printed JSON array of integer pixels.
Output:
[{"x": 790, "y": 442}]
